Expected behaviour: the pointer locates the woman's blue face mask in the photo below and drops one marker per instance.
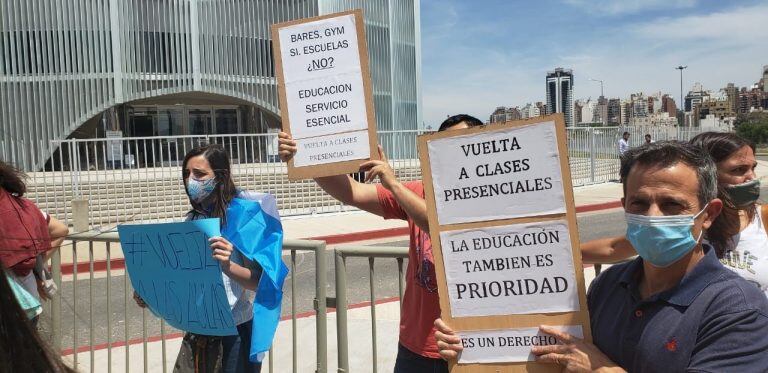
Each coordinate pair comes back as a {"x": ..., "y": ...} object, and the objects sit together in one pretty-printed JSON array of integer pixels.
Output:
[
  {"x": 662, "y": 240},
  {"x": 199, "y": 190}
]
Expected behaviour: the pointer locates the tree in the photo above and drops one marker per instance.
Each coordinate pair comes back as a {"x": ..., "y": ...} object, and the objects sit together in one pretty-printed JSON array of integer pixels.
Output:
[{"x": 753, "y": 126}]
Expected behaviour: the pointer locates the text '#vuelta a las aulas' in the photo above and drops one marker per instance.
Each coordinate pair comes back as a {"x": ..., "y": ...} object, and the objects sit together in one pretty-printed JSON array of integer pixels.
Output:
[
  {"x": 513, "y": 286},
  {"x": 508, "y": 167}
]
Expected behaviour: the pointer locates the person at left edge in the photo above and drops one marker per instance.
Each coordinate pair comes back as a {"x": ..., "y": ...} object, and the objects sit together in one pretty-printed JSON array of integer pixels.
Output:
[
  {"x": 207, "y": 176},
  {"x": 27, "y": 235}
]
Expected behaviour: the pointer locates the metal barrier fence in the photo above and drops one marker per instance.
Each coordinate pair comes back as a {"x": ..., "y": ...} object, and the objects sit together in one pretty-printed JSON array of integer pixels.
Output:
[
  {"x": 341, "y": 255},
  {"x": 122, "y": 179},
  {"x": 76, "y": 323},
  {"x": 594, "y": 151}
]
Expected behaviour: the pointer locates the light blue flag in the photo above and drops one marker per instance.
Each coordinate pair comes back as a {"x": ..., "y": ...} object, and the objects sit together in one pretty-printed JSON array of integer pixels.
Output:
[{"x": 253, "y": 227}]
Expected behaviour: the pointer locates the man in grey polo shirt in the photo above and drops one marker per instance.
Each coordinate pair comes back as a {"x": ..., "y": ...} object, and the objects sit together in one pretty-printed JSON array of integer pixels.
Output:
[{"x": 675, "y": 308}]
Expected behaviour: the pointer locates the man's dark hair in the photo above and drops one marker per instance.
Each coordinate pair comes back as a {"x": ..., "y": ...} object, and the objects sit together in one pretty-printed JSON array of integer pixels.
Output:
[
  {"x": 456, "y": 119},
  {"x": 647, "y": 135},
  {"x": 625, "y": 133},
  {"x": 663, "y": 154}
]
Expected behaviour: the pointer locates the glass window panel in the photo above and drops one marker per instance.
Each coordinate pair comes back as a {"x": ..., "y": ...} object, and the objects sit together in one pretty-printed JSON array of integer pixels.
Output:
[
  {"x": 200, "y": 121},
  {"x": 226, "y": 121}
]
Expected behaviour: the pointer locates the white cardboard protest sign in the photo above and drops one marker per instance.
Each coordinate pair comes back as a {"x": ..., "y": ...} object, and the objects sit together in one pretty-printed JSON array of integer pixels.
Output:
[
  {"x": 509, "y": 345},
  {"x": 504, "y": 238},
  {"x": 510, "y": 173},
  {"x": 511, "y": 269},
  {"x": 327, "y": 149},
  {"x": 325, "y": 93}
]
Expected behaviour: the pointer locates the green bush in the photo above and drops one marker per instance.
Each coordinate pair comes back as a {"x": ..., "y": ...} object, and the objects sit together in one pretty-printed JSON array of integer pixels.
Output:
[{"x": 753, "y": 126}]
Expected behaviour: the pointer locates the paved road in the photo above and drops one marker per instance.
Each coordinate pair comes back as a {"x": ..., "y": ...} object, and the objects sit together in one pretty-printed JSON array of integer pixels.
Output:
[{"x": 591, "y": 226}]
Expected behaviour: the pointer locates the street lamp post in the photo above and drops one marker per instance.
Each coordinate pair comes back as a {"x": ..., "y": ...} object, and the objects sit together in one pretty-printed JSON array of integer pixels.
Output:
[{"x": 681, "y": 68}]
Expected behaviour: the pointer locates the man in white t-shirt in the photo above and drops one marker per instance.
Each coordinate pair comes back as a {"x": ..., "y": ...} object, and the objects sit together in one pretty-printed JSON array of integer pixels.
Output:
[{"x": 624, "y": 143}]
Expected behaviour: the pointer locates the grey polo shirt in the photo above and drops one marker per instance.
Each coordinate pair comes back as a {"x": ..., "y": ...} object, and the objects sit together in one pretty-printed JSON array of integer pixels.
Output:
[{"x": 712, "y": 321}]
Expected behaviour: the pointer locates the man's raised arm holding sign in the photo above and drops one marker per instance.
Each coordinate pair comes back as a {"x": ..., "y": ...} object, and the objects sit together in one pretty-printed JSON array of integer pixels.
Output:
[{"x": 395, "y": 200}]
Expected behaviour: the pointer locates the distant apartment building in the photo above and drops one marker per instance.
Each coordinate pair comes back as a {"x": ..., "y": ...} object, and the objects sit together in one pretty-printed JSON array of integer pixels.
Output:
[
  {"x": 732, "y": 96},
  {"x": 529, "y": 111},
  {"x": 626, "y": 112},
  {"x": 542, "y": 107},
  {"x": 601, "y": 111},
  {"x": 719, "y": 108},
  {"x": 695, "y": 97},
  {"x": 751, "y": 99},
  {"x": 614, "y": 112},
  {"x": 584, "y": 112},
  {"x": 578, "y": 116},
  {"x": 655, "y": 119},
  {"x": 639, "y": 105},
  {"x": 668, "y": 105},
  {"x": 765, "y": 79},
  {"x": 504, "y": 114},
  {"x": 560, "y": 93}
]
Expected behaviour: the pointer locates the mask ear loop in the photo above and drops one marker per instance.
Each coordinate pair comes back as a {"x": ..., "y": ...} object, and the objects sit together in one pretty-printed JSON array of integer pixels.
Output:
[
  {"x": 700, "y": 212},
  {"x": 701, "y": 234}
]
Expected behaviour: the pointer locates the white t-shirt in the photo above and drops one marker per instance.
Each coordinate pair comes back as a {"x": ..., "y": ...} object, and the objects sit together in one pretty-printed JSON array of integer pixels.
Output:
[
  {"x": 623, "y": 146},
  {"x": 749, "y": 258}
]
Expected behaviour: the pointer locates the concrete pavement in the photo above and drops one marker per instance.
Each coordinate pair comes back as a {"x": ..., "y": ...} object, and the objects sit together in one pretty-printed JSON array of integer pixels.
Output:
[{"x": 360, "y": 346}]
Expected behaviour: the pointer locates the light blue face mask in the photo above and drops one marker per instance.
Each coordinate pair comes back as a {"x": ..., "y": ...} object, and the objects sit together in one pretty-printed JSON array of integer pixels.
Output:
[
  {"x": 199, "y": 190},
  {"x": 662, "y": 240}
]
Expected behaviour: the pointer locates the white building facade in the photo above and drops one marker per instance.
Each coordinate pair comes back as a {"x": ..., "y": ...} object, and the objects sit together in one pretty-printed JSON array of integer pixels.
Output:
[{"x": 176, "y": 67}]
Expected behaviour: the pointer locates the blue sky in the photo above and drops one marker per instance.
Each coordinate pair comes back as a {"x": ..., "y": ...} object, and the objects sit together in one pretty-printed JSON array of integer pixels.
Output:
[{"x": 477, "y": 55}]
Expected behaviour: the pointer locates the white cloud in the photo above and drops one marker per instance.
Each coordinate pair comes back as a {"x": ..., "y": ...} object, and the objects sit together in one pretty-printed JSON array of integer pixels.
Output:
[
  {"x": 622, "y": 7},
  {"x": 740, "y": 25}
]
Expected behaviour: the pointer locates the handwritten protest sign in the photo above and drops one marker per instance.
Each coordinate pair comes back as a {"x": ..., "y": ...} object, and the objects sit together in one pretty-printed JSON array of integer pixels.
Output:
[
  {"x": 173, "y": 271},
  {"x": 505, "y": 241},
  {"x": 326, "y": 99}
]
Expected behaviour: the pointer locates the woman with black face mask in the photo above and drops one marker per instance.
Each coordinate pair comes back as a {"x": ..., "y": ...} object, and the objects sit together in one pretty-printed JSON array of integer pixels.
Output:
[
  {"x": 207, "y": 176},
  {"x": 739, "y": 232}
]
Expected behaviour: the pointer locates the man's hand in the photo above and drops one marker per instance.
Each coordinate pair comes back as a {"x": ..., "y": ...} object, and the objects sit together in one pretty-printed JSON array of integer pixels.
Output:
[
  {"x": 575, "y": 355},
  {"x": 448, "y": 343},
  {"x": 380, "y": 169},
  {"x": 286, "y": 146}
]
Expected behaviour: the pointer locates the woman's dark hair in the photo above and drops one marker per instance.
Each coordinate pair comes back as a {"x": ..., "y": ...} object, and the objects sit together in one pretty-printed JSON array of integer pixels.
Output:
[
  {"x": 216, "y": 204},
  {"x": 720, "y": 146},
  {"x": 12, "y": 179},
  {"x": 456, "y": 119},
  {"x": 21, "y": 348}
]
